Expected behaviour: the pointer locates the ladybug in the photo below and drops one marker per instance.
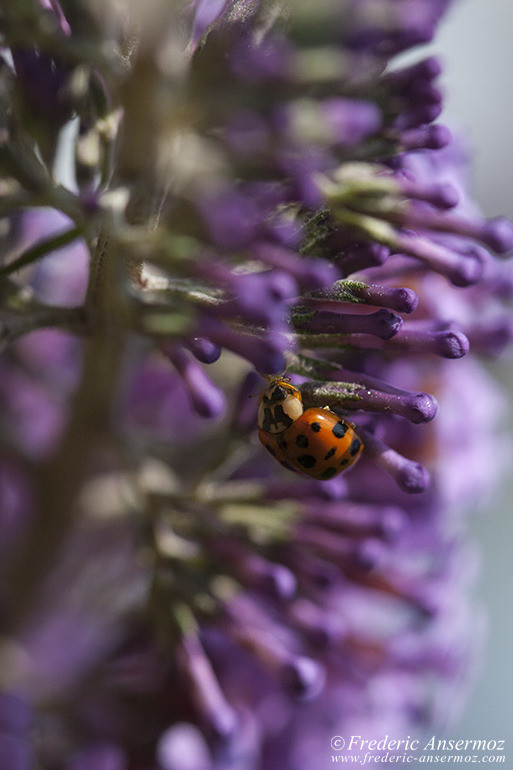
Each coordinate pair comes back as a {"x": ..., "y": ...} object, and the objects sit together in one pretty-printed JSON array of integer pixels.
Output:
[{"x": 314, "y": 442}]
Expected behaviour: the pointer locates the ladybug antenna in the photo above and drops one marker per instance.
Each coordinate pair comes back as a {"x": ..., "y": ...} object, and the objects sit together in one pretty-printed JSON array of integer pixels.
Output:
[{"x": 270, "y": 379}]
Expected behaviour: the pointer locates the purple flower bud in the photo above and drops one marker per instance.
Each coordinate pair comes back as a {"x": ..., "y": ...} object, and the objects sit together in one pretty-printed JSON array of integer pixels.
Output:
[
  {"x": 402, "y": 300},
  {"x": 351, "y": 120},
  {"x": 447, "y": 343},
  {"x": 491, "y": 337},
  {"x": 262, "y": 297},
  {"x": 256, "y": 572},
  {"x": 307, "y": 273},
  {"x": 183, "y": 747},
  {"x": 266, "y": 354},
  {"x": 425, "y": 138},
  {"x": 443, "y": 196},
  {"x": 319, "y": 574},
  {"x": 243, "y": 404},
  {"x": 462, "y": 270},
  {"x": 359, "y": 520},
  {"x": 207, "y": 399},
  {"x": 401, "y": 79},
  {"x": 359, "y": 256},
  {"x": 206, "y": 690},
  {"x": 341, "y": 550},
  {"x": 204, "y": 350},
  {"x": 232, "y": 220},
  {"x": 417, "y": 116},
  {"x": 322, "y": 627},
  {"x": 410, "y": 476},
  {"x": 304, "y": 678},
  {"x": 383, "y": 324}
]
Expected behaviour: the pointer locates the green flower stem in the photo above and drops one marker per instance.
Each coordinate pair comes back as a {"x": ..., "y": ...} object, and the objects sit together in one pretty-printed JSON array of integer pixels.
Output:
[
  {"x": 67, "y": 319},
  {"x": 60, "y": 479},
  {"x": 42, "y": 248}
]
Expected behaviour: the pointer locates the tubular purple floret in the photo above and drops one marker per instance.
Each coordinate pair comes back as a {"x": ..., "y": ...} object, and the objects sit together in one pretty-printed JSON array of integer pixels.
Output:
[
  {"x": 447, "y": 343},
  {"x": 410, "y": 476},
  {"x": 206, "y": 690},
  {"x": 308, "y": 273},
  {"x": 336, "y": 373},
  {"x": 416, "y": 407},
  {"x": 441, "y": 655},
  {"x": 425, "y": 70},
  {"x": 252, "y": 627},
  {"x": 461, "y": 269},
  {"x": 433, "y": 137},
  {"x": 370, "y": 554},
  {"x": 383, "y": 324},
  {"x": 416, "y": 117},
  {"x": 401, "y": 299},
  {"x": 258, "y": 297},
  {"x": 314, "y": 572},
  {"x": 207, "y": 399},
  {"x": 350, "y": 120},
  {"x": 319, "y": 626},
  {"x": 443, "y": 196},
  {"x": 497, "y": 233},
  {"x": 342, "y": 550},
  {"x": 490, "y": 337},
  {"x": 359, "y": 520},
  {"x": 244, "y": 416},
  {"x": 255, "y": 571},
  {"x": 265, "y": 353},
  {"x": 360, "y": 255}
]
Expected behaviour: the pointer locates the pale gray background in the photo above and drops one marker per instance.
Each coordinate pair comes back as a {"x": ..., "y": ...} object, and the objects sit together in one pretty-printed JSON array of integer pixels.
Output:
[{"x": 476, "y": 42}]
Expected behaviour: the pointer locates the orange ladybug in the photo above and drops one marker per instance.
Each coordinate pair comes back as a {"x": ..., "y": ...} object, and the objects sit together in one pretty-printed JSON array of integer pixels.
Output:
[{"x": 315, "y": 442}]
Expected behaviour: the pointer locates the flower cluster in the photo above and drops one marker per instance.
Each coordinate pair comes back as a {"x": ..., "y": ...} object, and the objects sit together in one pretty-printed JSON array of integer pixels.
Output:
[{"x": 195, "y": 195}]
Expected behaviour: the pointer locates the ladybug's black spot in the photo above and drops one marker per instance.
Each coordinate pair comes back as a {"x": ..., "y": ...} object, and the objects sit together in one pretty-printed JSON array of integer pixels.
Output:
[
  {"x": 307, "y": 461},
  {"x": 278, "y": 394},
  {"x": 270, "y": 449},
  {"x": 339, "y": 430},
  {"x": 344, "y": 461},
  {"x": 330, "y": 453},
  {"x": 328, "y": 474},
  {"x": 268, "y": 420},
  {"x": 280, "y": 418},
  {"x": 288, "y": 466},
  {"x": 316, "y": 426},
  {"x": 282, "y": 443},
  {"x": 302, "y": 441},
  {"x": 355, "y": 447}
]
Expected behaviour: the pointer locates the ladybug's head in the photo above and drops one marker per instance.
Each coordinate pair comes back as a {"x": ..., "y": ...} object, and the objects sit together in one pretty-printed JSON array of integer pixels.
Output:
[{"x": 280, "y": 404}]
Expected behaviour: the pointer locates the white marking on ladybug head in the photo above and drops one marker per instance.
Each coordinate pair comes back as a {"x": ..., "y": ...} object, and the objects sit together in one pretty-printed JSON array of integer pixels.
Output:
[{"x": 292, "y": 407}]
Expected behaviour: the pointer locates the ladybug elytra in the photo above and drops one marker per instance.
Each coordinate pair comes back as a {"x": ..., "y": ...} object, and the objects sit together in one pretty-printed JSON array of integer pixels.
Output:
[{"x": 315, "y": 442}]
